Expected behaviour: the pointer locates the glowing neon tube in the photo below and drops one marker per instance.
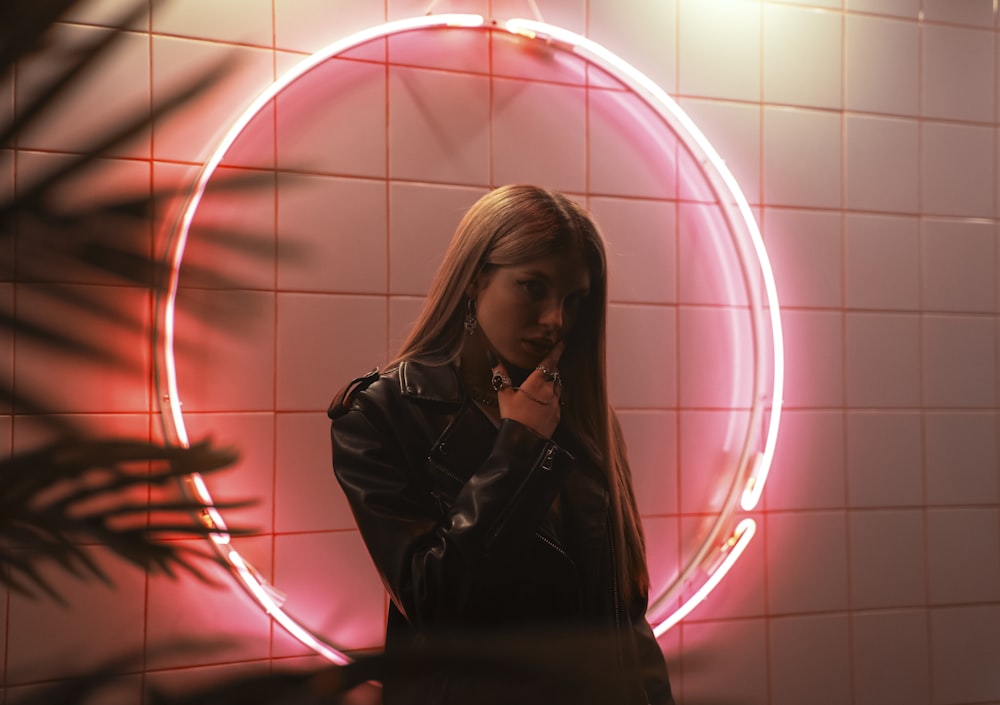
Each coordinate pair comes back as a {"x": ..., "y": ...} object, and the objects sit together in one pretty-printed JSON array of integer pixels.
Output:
[{"x": 754, "y": 463}]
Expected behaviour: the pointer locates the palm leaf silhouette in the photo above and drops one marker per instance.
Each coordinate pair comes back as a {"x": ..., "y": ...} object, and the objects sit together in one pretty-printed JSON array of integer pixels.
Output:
[{"x": 77, "y": 489}]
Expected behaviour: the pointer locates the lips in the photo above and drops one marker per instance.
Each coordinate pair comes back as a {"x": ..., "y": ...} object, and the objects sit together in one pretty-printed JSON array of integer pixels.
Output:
[{"x": 540, "y": 345}]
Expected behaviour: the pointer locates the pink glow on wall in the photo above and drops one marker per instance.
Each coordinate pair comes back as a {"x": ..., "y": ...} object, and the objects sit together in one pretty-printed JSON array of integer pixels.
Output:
[{"x": 746, "y": 296}]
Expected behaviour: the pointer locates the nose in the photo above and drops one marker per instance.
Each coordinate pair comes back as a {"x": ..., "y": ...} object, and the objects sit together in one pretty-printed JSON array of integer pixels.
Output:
[{"x": 553, "y": 315}]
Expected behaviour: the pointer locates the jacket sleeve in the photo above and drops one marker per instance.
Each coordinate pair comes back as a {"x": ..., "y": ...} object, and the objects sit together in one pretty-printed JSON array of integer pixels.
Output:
[{"x": 431, "y": 557}]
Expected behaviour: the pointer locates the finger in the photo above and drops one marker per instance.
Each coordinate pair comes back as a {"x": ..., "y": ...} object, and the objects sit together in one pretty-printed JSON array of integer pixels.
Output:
[
  {"x": 552, "y": 359},
  {"x": 500, "y": 380}
]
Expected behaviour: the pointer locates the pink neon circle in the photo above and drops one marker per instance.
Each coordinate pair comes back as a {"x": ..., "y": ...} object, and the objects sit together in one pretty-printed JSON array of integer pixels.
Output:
[{"x": 725, "y": 543}]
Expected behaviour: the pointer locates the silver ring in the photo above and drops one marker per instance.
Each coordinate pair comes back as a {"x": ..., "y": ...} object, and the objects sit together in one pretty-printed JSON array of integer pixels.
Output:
[
  {"x": 499, "y": 382},
  {"x": 551, "y": 375}
]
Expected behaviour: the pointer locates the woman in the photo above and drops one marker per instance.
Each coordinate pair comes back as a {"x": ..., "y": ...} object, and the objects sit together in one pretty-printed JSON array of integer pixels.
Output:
[{"x": 487, "y": 472}]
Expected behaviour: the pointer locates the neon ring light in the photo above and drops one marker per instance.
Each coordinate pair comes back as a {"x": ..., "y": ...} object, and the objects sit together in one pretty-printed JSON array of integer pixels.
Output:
[{"x": 729, "y": 535}]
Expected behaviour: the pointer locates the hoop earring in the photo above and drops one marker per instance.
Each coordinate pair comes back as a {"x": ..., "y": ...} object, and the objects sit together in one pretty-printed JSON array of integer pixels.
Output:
[{"x": 471, "y": 322}]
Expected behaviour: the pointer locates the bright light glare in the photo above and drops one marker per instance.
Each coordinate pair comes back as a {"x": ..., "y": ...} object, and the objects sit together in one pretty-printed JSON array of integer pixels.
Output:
[{"x": 731, "y": 550}]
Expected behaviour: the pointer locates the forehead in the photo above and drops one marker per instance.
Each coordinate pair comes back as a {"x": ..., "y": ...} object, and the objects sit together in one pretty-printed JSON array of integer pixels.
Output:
[{"x": 567, "y": 270}]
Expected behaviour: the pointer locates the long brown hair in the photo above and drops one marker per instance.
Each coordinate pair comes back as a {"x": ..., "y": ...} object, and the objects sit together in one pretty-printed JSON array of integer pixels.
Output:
[{"x": 516, "y": 224}]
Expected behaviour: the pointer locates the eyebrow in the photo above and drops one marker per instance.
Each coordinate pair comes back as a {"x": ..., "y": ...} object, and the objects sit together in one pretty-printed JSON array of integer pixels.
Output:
[{"x": 540, "y": 274}]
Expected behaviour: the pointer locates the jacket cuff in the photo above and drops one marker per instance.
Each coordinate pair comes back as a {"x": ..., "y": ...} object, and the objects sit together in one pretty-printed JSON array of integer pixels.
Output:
[{"x": 506, "y": 500}]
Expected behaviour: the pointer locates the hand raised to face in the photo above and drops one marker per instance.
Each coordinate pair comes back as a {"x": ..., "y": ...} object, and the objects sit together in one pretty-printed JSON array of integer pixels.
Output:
[{"x": 536, "y": 402}]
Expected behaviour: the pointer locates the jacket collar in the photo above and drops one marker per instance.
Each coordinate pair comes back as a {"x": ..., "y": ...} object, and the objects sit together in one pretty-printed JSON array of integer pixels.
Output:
[{"x": 436, "y": 383}]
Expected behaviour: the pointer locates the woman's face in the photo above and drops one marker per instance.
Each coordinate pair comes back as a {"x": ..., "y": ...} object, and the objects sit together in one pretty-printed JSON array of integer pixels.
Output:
[{"x": 525, "y": 309}]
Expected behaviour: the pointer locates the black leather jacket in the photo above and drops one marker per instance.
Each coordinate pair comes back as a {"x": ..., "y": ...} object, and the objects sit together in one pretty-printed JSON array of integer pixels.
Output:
[{"x": 480, "y": 529}]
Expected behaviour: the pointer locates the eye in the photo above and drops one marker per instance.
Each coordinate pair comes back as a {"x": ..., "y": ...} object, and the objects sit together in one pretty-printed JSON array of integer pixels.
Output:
[{"x": 534, "y": 288}]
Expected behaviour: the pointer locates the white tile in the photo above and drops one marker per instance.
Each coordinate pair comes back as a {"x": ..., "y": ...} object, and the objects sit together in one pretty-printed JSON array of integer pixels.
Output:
[
  {"x": 808, "y": 467},
  {"x": 323, "y": 342},
  {"x": 961, "y": 458},
  {"x": 332, "y": 234},
  {"x": 909, "y": 9},
  {"x": 518, "y": 56},
  {"x": 814, "y": 358},
  {"x": 882, "y": 262},
  {"x": 734, "y": 132},
  {"x": 651, "y": 438},
  {"x": 883, "y": 360},
  {"x": 825, "y": 4},
  {"x": 810, "y": 660},
  {"x": 97, "y": 625},
  {"x": 716, "y": 357},
  {"x": 309, "y": 25},
  {"x": 739, "y": 674},
  {"x": 890, "y": 652},
  {"x": 332, "y": 120},
  {"x": 33, "y": 431},
  {"x": 422, "y": 221},
  {"x": 741, "y": 595},
  {"x": 641, "y": 244},
  {"x": 802, "y": 157},
  {"x": 887, "y": 559},
  {"x": 539, "y": 134},
  {"x": 37, "y": 251},
  {"x": 400, "y": 9},
  {"x": 802, "y": 56},
  {"x": 6, "y": 436},
  {"x": 430, "y": 139},
  {"x": 816, "y": 578},
  {"x": 804, "y": 248},
  {"x": 883, "y": 165},
  {"x": 102, "y": 185},
  {"x": 711, "y": 267},
  {"x": 194, "y": 132},
  {"x": 975, "y": 13},
  {"x": 231, "y": 241},
  {"x": 571, "y": 14},
  {"x": 112, "y": 321},
  {"x": 118, "y": 83},
  {"x": 306, "y": 494},
  {"x": 963, "y": 555},
  {"x": 959, "y": 362},
  {"x": 107, "y": 13},
  {"x": 958, "y": 271},
  {"x": 450, "y": 48},
  {"x": 251, "y": 477},
  {"x": 710, "y": 443},
  {"x": 224, "y": 347},
  {"x": 964, "y": 653},
  {"x": 193, "y": 681},
  {"x": 632, "y": 151},
  {"x": 6, "y": 350},
  {"x": 958, "y": 73},
  {"x": 191, "y": 18},
  {"x": 642, "y": 33},
  {"x": 403, "y": 313},
  {"x": 7, "y": 169},
  {"x": 122, "y": 690},
  {"x": 187, "y": 608},
  {"x": 662, "y": 539},
  {"x": 642, "y": 338},
  {"x": 332, "y": 587},
  {"x": 957, "y": 170},
  {"x": 719, "y": 49},
  {"x": 882, "y": 60},
  {"x": 884, "y": 459}
]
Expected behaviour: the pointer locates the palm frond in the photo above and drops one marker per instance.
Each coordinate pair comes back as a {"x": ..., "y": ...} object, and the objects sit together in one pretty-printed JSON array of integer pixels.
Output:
[{"x": 62, "y": 497}]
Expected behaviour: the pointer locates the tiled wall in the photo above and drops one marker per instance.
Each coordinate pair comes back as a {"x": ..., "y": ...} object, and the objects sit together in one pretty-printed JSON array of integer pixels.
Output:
[{"x": 864, "y": 135}]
